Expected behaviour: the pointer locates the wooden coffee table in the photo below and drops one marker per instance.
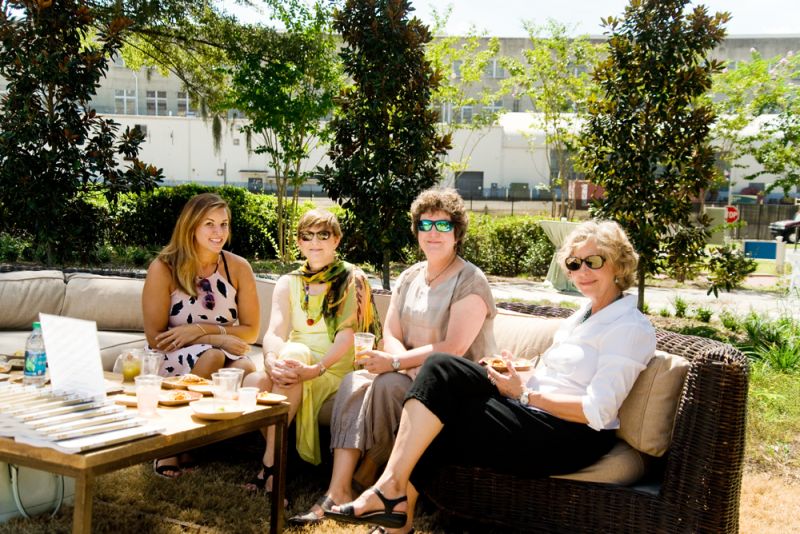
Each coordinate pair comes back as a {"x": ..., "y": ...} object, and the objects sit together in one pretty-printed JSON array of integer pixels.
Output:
[{"x": 184, "y": 431}]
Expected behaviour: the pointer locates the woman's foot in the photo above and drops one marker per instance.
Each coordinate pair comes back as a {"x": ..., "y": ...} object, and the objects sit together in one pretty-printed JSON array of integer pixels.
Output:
[
  {"x": 315, "y": 514},
  {"x": 261, "y": 480},
  {"x": 373, "y": 507},
  {"x": 382, "y": 530},
  {"x": 187, "y": 462},
  {"x": 167, "y": 467}
]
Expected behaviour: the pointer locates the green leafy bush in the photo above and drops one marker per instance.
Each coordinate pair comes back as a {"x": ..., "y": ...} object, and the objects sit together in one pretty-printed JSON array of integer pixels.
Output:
[
  {"x": 727, "y": 268},
  {"x": 730, "y": 321},
  {"x": 508, "y": 246},
  {"x": 146, "y": 220},
  {"x": 12, "y": 248},
  {"x": 664, "y": 312},
  {"x": 703, "y": 314},
  {"x": 680, "y": 307}
]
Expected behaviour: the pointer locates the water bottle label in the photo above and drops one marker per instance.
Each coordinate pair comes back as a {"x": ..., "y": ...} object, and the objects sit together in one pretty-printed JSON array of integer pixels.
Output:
[{"x": 35, "y": 363}]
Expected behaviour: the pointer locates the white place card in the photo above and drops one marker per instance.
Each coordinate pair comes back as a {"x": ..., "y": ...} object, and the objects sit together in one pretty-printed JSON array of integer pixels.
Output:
[{"x": 73, "y": 355}]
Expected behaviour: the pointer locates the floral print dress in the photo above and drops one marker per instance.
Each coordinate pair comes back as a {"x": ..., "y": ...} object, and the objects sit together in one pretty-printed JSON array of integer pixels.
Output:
[{"x": 185, "y": 309}]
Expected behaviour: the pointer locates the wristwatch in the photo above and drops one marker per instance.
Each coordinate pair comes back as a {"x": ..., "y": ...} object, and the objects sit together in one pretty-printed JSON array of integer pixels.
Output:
[
  {"x": 396, "y": 364},
  {"x": 523, "y": 398}
]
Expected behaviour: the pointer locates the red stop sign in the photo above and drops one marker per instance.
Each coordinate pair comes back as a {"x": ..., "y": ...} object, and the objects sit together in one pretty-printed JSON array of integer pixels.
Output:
[{"x": 731, "y": 214}]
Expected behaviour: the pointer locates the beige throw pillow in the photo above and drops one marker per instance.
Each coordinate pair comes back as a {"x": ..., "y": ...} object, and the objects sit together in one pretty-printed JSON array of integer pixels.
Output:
[
  {"x": 25, "y": 294},
  {"x": 113, "y": 302},
  {"x": 647, "y": 415},
  {"x": 525, "y": 336}
]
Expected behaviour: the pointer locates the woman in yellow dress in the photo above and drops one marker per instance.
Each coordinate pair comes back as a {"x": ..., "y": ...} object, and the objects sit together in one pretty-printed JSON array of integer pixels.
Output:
[{"x": 308, "y": 346}]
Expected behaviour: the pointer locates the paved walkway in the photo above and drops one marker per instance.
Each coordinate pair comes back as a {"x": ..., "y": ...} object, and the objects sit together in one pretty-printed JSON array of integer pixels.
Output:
[{"x": 739, "y": 301}]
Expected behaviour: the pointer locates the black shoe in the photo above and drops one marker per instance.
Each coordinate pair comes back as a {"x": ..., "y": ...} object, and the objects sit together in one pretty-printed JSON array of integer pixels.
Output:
[
  {"x": 310, "y": 517},
  {"x": 385, "y": 518}
]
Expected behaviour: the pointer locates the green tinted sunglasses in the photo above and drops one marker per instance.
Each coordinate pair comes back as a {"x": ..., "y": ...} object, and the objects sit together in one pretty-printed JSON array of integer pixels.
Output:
[{"x": 425, "y": 225}]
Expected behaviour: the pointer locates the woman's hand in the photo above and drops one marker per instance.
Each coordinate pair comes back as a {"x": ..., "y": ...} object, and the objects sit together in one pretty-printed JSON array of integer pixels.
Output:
[
  {"x": 508, "y": 384},
  {"x": 234, "y": 345},
  {"x": 284, "y": 372},
  {"x": 177, "y": 337},
  {"x": 377, "y": 361}
]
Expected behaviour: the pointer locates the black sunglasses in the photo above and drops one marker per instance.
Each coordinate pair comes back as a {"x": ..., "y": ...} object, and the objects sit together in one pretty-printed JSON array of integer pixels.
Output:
[
  {"x": 322, "y": 235},
  {"x": 574, "y": 263},
  {"x": 443, "y": 225},
  {"x": 208, "y": 298}
]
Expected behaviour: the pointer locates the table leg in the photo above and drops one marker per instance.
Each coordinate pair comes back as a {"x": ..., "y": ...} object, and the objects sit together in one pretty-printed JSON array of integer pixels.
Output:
[
  {"x": 279, "y": 477},
  {"x": 82, "y": 514}
]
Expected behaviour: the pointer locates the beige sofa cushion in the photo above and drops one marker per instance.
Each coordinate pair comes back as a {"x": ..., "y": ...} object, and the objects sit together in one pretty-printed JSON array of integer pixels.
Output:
[
  {"x": 622, "y": 465},
  {"x": 264, "y": 289},
  {"x": 525, "y": 336},
  {"x": 25, "y": 294},
  {"x": 113, "y": 302},
  {"x": 647, "y": 416}
]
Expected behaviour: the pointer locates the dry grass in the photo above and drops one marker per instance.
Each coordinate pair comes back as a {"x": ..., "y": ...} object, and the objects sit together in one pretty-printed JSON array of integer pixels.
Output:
[{"x": 769, "y": 504}]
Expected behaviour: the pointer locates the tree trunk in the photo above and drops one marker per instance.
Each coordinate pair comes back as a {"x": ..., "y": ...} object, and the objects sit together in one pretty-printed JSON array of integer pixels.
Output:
[
  {"x": 385, "y": 270},
  {"x": 640, "y": 302}
]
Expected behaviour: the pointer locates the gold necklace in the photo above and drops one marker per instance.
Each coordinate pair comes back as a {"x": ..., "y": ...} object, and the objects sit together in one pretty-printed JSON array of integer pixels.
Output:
[{"x": 429, "y": 282}]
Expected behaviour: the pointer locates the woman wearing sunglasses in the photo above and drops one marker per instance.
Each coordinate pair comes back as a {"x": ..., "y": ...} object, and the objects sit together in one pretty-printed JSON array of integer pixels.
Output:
[
  {"x": 558, "y": 421},
  {"x": 308, "y": 346},
  {"x": 199, "y": 303},
  {"x": 443, "y": 304}
]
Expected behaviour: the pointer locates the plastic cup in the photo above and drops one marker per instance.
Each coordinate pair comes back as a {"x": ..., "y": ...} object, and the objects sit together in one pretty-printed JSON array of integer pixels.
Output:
[
  {"x": 224, "y": 385},
  {"x": 147, "y": 389},
  {"x": 239, "y": 373},
  {"x": 247, "y": 397},
  {"x": 129, "y": 364},
  {"x": 151, "y": 362},
  {"x": 362, "y": 341}
]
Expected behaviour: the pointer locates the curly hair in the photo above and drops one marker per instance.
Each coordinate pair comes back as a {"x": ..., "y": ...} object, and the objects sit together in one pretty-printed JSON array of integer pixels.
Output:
[
  {"x": 441, "y": 199},
  {"x": 612, "y": 243}
]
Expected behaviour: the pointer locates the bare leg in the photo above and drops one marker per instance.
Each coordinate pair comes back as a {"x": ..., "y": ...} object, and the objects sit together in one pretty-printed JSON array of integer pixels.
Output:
[
  {"x": 367, "y": 472},
  {"x": 209, "y": 362},
  {"x": 243, "y": 363},
  {"x": 294, "y": 395},
  {"x": 344, "y": 463},
  {"x": 418, "y": 427},
  {"x": 258, "y": 379}
]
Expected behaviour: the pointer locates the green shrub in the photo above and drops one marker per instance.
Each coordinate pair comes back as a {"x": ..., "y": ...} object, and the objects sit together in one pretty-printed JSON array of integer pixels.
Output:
[
  {"x": 705, "y": 331},
  {"x": 727, "y": 268},
  {"x": 12, "y": 248},
  {"x": 703, "y": 314},
  {"x": 508, "y": 246},
  {"x": 680, "y": 307},
  {"x": 784, "y": 357},
  {"x": 664, "y": 312},
  {"x": 146, "y": 220},
  {"x": 730, "y": 321}
]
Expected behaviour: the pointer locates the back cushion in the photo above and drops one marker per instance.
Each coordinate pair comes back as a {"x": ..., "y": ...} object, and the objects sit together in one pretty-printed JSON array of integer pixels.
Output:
[
  {"x": 647, "y": 416},
  {"x": 526, "y": 336},
  {"x": 264, "y": 288},
  {"x": 113, "y": 302},
  {"x": 25, "y": 294}
]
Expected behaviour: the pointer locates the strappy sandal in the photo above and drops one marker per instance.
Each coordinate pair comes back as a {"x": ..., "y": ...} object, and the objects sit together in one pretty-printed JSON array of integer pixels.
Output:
[
  {"x": 310, "y": 517},
  {"x": 260, "y": 482},
  {"x": 385, "y": 518},
  {"x": 170, "y": 472},
  {"x": 381, "y": 530}
]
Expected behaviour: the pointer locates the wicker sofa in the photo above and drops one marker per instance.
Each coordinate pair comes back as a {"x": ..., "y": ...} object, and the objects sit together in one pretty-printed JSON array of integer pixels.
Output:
[
  {"x": 694, "y": 487},
  {"x": 676, "y": 468}
]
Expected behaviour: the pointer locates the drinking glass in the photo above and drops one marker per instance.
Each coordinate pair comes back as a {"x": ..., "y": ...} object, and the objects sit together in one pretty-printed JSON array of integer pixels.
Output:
[
  {"x": 239, "y": 373},
  {"x": 129, "y": 364},
  {"x": 147, "y": 389},
  {"x": 362, "y": 341},
  {"x": 151, "y": 362},
  {"x": 224, "y": 386},
  {"x": 247, "y": 397}
]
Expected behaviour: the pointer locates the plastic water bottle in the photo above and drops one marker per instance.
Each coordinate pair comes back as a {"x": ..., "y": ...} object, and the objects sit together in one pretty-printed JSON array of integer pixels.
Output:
[{"x": 35, "y": 358}]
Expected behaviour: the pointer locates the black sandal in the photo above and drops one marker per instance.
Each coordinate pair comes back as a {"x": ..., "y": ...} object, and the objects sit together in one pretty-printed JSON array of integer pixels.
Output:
[
  {"x": 167, "y": 471},
  {"x": 310, "y": 518},
  {"x": 385, "y": 518},
  {"x": 260, "y": 482}
]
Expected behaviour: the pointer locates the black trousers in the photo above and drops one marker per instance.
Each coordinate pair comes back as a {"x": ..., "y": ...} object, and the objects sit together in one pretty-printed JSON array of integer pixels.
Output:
[{"x": 484, "y": 429}]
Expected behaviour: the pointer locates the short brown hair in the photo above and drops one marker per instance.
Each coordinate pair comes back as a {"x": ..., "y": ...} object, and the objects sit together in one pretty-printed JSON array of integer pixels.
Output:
[
  {"x": 441, "y": 199},
  {"x": 613, "y": 244},
  {"x": 319, "y": 217}
]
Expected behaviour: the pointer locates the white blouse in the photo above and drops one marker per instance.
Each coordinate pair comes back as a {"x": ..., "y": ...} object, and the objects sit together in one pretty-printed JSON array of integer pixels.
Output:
[{"x": 598, "y": 359}]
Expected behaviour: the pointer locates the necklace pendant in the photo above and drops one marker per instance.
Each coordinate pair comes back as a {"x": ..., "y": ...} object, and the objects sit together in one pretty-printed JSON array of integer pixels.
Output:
[{"x": 310, "y": 321}]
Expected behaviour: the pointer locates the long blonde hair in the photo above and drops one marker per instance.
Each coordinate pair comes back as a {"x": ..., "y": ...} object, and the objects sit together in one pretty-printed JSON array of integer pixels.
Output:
[{"x": 180, "y": 254}]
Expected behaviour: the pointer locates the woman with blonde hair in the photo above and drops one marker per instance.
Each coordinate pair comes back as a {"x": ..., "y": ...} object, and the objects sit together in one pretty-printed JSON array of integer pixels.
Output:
[
  {"x": 558, "y": 421},
  {"x": 443, "y": 304},
  {"x": 199, "y": 302},
  {"x": 308, "y": 346}
]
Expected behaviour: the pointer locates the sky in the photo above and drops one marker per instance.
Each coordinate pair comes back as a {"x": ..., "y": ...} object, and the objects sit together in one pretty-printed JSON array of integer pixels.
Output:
[{"x": 503, "y": 18}]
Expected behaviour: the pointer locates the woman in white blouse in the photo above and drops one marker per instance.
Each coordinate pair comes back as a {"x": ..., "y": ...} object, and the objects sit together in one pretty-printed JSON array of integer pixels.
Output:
[{"x": 562, "y": 419}]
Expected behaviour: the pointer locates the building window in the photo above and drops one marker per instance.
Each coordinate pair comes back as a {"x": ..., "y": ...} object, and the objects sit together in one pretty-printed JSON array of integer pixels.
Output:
[
  {"x": 156, "y": 102},
  {"x": 457, "y": 68},
  {"x": 495, "y": 106},
  {"x": 515, "y": 105},
  {"x": 466, "y": 115},
  {"x": 185, "y": 105},
  {"x": 494, "y": 70},
  {"x": 125, "y": 101}
]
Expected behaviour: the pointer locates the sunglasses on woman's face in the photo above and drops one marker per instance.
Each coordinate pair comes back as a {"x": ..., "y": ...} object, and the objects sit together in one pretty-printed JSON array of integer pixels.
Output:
[
  {"x": 443, "y": 225},
  {"x": 322, "y": 235},
  {"x": 574, "y": 263},
  {"x": 208, "y": 298}
]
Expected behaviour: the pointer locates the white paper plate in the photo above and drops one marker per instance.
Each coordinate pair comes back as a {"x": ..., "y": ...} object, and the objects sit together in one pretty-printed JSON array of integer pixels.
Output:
[{"x": 216, "y": 410}]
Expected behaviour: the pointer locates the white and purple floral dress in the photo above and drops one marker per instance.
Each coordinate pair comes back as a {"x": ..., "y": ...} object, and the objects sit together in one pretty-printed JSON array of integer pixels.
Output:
[{"x": 185, "y": 309}]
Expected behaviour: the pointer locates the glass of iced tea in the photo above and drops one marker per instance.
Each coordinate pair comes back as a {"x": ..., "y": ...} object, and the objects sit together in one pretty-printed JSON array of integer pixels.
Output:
[{"x": 362, "y": 341}]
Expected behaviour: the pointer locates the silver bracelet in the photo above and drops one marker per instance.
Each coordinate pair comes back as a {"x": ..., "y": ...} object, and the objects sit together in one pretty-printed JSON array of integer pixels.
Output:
[
  {"x": 322, "y": 368},
  {"x": 222, "y": 330}
]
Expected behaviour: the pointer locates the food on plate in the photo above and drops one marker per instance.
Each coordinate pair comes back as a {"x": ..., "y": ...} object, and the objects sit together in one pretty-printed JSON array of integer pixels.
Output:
[
  {"x": 192, "y": 379},
  {"x": 499, "y": 364},
  {"x": 265, "y": 397}
]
